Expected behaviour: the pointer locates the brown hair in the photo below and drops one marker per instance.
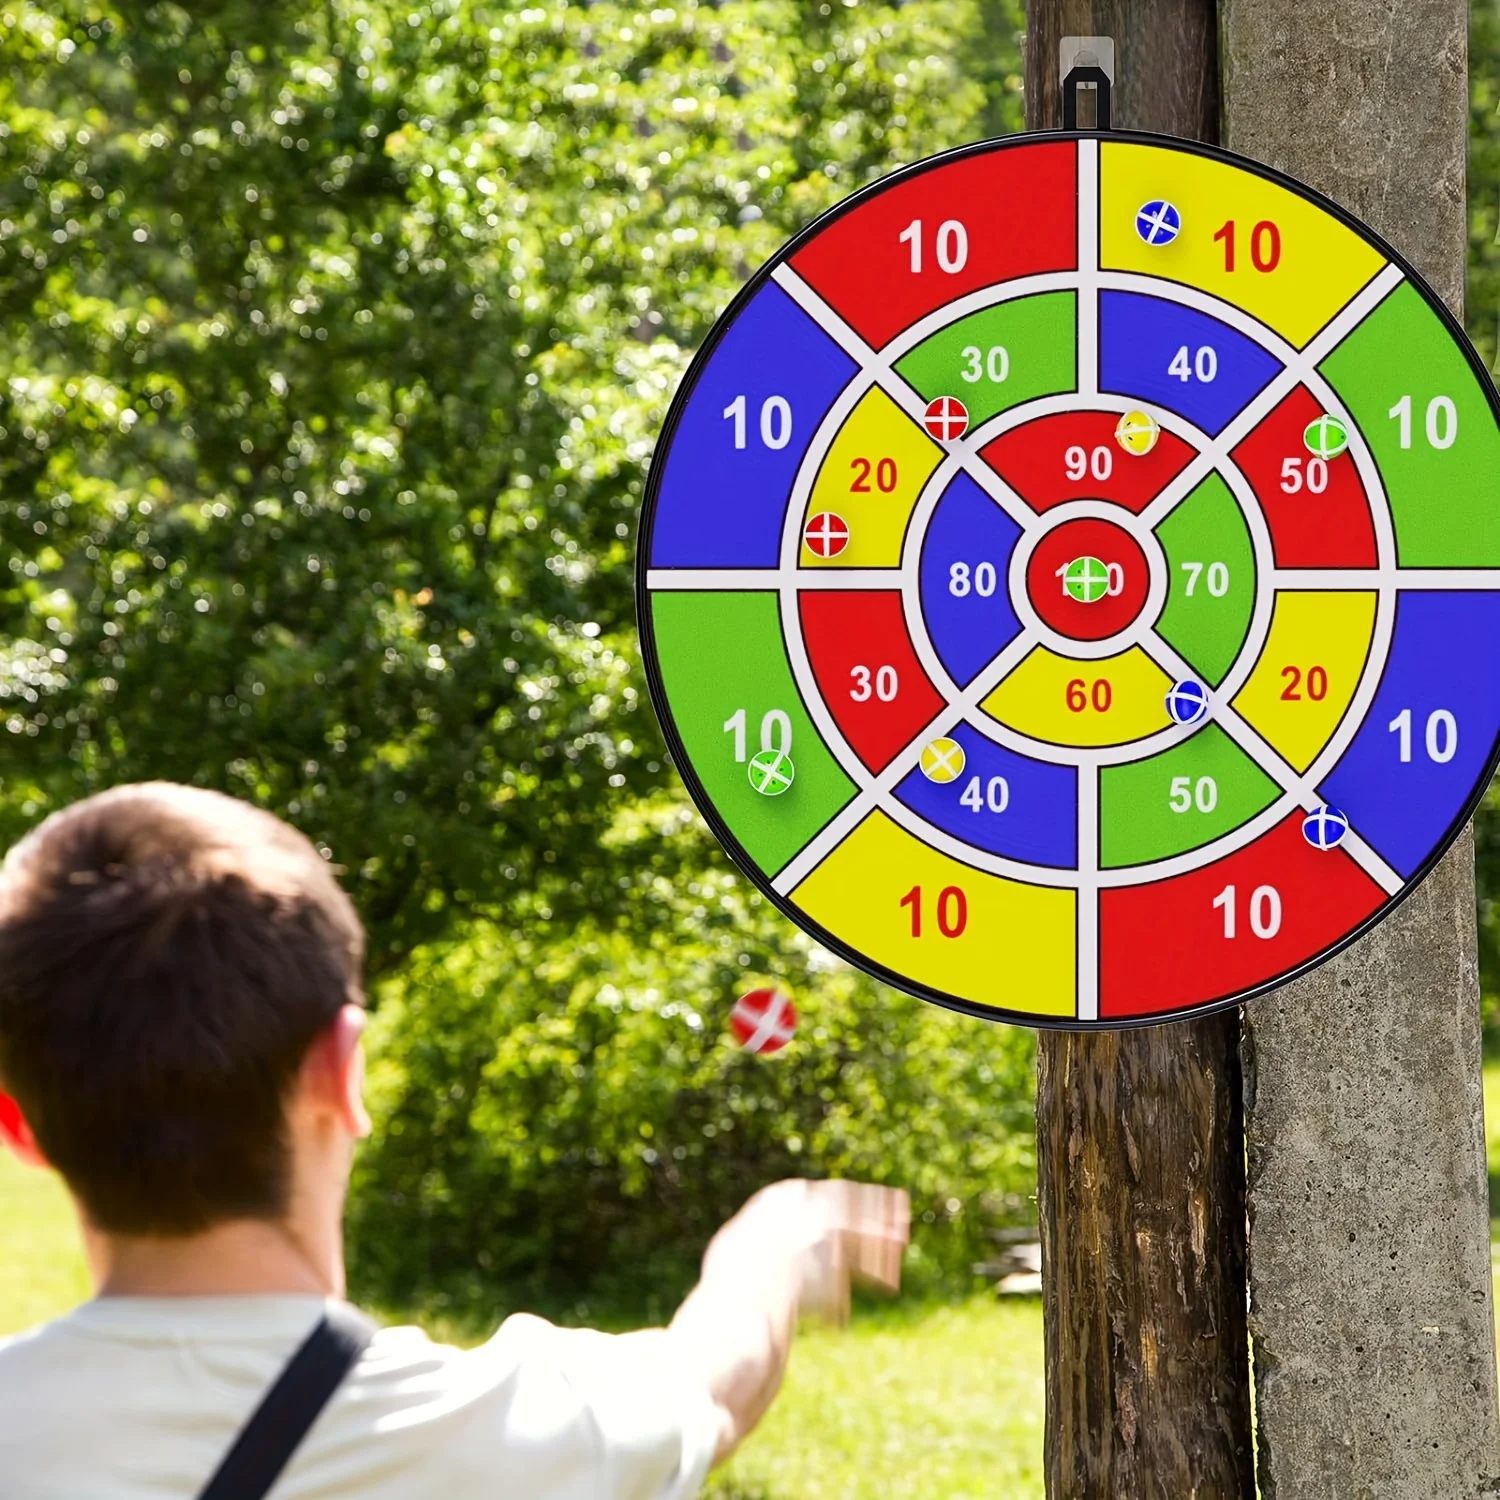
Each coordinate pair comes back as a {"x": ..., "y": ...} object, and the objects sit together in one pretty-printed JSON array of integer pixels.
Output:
[{"x": 167, "y": 956}]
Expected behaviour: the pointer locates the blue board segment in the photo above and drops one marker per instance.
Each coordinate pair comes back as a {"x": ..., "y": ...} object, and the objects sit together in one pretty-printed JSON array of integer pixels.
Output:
[
  {"x": 719, "y": 506},
  {"x": 1141, "y": 337},
  {"x": 968, "y": 629},
  {"x": 1040, "y": 821},
  {"x": 1440, "y": 661}
]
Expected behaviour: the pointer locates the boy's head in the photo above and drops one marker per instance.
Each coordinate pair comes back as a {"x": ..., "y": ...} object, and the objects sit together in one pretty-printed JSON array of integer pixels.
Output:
[{"x": 168, "y": 956}]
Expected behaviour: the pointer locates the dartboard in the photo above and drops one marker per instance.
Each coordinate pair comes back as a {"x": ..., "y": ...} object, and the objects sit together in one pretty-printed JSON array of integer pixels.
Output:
[{"x": 1070, "y": 579}]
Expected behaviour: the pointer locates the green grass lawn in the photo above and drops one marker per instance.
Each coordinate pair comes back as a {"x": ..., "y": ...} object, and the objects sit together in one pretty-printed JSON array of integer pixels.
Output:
[
  {"x": 913, "y": 1399},
  {"x": 41, "y": 1264},
  {"x": 907, "y": 1402}
]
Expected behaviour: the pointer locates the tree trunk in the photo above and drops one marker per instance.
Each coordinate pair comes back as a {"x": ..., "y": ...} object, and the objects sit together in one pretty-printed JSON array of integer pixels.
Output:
[
  {"x": 1374, "y": 1339},
  {"x": 1139, "y": 1134}
]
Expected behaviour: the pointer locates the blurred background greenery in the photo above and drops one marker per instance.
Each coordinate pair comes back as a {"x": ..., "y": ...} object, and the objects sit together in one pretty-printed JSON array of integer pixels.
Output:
[{"x": 335, "y": 340}]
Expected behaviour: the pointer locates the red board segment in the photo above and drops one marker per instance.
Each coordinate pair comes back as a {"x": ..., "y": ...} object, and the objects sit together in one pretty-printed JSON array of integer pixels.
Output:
[
  {"x": 1015, "y": 212},
  {"x": 867, "y": 671},
  {"x": 1074, "y": 456},
  {"x": 1091, "y": 619},
  {"x": 1317, "y": 511},
  {"x": 1162, "y": 947}
]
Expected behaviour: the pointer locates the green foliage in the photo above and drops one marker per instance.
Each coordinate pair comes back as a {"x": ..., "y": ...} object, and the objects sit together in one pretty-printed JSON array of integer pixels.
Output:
[
  {"x": 336, "y": 339},
  {"x": 597, "y": 1122}
]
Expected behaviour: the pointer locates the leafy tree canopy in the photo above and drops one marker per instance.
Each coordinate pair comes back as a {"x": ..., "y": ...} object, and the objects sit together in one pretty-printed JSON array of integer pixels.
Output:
[
  {"x": 336, "y": 341},
  {"x": 336, "y": 338}
]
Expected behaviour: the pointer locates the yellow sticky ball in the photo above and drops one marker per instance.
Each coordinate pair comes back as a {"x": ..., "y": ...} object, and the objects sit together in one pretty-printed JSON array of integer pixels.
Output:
[
  {"x": 942, "y": 760},
  {"x": 1137, "y": 433}
]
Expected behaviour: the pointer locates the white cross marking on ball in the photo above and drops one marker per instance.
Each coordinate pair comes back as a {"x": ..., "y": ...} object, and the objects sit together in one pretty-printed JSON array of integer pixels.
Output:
[
  {"x": 941, "y": 762},
  {"x": 822, "y": 537},
  {"x": 771, "y": 1025},
  {"x": 1328, "y": 825},
  {"x": 947, "y": 418},
  {"x": 1088, "y": 578},
  {"x": 1159, "y": 222},
  {"x": 772, "y": 777}
]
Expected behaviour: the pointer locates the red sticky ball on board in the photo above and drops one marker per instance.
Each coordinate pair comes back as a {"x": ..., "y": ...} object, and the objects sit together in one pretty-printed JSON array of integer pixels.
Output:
[{"x": 763, "y": 1021}]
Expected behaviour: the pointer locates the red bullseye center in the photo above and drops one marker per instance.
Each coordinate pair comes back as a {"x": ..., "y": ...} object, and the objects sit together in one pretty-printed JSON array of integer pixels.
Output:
[{"x": 1126, "y": 579}]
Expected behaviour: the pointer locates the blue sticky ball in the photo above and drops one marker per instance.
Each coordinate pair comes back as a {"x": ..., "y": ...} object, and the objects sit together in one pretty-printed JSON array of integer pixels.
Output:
[
  {"x": 1158, "y": 222},
  {"x": 1324, "y": 827},
  {"x": 1187, "y": 702}
]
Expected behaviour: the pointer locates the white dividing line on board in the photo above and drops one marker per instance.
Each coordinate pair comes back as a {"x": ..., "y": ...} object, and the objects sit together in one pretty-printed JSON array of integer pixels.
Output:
[
  {"x": 1383, "y": 586},
  {"x": 1377, "y": 501},
  {"x": 1088, "y": 268},
  {"x": 1457, "y": 579},
  {"x": 1127, "y": 876},
  {"x": 713, "y": 578},
  {"x": 812, "y": 465},
  {"x": 749, "y": 579},
  {"x": 874, "y": 791},
  {"x": 1299, "y": 368},
  {"x": 1087, "y": 914},
  {"x": 1263, "y": 601},
  {"x": 911, "y": 578},
  {"x": 1066, "y": 402},
  {"x": 1302, "y": 788},
  {"x": 1079, "y": 755},
  {"x": 972, "y": 302},
  {"x": 1156, "y": 593},
  {"x": 1217, "y": 454},
  {"x": 1213, "y": 454},
  {"x": 1448, "y": 578},
  {"x": 1355, "y": 311},
  {"x": 828, "y": 320},
  {"x": 1316, "y": 350},
  {"x": 878, "y": 370}
]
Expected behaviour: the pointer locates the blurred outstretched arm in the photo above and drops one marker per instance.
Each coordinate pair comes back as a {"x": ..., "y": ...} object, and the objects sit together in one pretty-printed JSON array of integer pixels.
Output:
[{"x": 793, "y": 1249}]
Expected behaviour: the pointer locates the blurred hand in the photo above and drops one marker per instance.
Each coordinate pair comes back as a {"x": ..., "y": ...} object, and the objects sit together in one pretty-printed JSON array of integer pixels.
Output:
[
  {"x": 824, "y": 1235},
  {"x": 792, "y": 1249}
]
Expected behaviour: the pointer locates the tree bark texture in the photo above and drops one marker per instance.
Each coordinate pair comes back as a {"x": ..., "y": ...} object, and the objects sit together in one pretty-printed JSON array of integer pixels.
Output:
[
  {"x": 1139, "y": 1134},
  {"x": 1370, "y": 1264}
]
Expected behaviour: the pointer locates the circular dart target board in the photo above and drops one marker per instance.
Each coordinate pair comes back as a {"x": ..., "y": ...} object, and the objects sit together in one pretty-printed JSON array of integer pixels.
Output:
[{"x": 1070, "y": 579}]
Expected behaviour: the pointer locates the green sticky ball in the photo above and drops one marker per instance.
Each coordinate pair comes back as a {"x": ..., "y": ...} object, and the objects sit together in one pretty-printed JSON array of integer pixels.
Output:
[
  {"x": 771, "y": 772},
  {"x": 1086, "y": 579},
  {"x": 1326, "y": 437}
]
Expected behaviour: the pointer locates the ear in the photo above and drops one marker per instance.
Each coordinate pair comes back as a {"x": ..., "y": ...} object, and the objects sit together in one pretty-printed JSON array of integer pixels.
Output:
[
  {"x": 16, "y": 1133},
  {"x": 333, "y": 1072}
]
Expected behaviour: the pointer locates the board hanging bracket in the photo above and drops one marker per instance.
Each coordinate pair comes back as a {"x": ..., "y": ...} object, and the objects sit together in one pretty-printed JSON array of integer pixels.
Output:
[{"x": 1087, "y": 69}]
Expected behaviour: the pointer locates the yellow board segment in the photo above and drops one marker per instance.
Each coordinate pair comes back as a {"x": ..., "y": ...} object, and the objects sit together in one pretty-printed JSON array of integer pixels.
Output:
[
  {"x": 1067, "y": 702},
  {"x": 1308, "y": 672},
  {"x": 1322, "y": 263},
  {"x": 1012, "y": 946},
  {"x": 880, "y": 449}
]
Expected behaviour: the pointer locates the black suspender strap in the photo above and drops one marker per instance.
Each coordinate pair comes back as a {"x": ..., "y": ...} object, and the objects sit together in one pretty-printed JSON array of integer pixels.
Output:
[{"x": 286, "y": 1412}]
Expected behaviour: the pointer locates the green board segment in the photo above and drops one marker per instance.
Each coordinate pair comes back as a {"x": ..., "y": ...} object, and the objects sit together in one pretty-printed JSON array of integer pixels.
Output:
[
  {"x": 1428, "y": 422},
  {"x": 1000, "y": 356},
  {"x": 1211, "y": 584},
  {"x": 722, "y": 662},
  {"x": 1178, "y": 800}
]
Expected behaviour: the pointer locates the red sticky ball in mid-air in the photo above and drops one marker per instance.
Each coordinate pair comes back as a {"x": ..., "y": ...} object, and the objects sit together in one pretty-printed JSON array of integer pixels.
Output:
[{"x": 763, "y": 1020}]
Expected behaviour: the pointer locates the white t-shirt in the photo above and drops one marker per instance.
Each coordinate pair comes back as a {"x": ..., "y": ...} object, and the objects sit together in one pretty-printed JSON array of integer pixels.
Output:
[{"x": 139, "y": 1398}]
